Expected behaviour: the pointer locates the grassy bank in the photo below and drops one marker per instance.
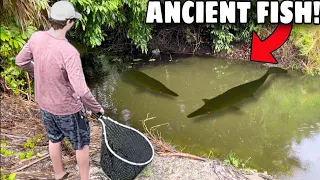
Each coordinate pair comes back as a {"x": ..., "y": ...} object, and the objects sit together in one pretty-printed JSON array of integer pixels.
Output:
[
  {"x": 301, "y": 50},
  {"x": 307, "y": 39}
]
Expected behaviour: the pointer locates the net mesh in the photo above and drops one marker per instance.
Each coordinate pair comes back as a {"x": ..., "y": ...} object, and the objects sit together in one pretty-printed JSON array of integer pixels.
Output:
[{"x": 127, "y": 144}]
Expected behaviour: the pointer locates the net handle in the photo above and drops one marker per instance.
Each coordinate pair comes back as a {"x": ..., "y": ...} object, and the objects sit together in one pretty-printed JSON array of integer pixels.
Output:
[{"x": 99, "y": 116}]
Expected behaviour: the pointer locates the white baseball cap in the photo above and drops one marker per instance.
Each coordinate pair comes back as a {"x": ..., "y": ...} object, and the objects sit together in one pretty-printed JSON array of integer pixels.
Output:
[{"x": 63, "y": 10}]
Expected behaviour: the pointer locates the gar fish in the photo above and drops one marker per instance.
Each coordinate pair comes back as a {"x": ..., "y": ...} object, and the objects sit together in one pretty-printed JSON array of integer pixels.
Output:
[
  {"x": 234, "y": 95},
  {"x": 147, "y": 82}
]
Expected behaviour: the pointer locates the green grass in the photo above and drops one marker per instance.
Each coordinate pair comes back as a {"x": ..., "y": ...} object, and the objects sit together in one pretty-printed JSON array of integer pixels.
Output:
[
  {"x": 307, "y": 38},
  {"x": 147, "y": 172},
  {"x": 235, "y": 161}
]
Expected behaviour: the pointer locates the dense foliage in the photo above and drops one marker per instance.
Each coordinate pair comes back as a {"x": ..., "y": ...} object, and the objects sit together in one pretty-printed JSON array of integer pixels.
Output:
[
  {"x": 127, "y": 17},
  {"x": 12, "y": 40},
  {"x": 19, "y": 19},
  {"x": 103, "y": 16}
]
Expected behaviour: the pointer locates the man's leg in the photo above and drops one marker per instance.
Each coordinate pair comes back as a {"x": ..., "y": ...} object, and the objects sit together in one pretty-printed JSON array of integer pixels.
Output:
[
  {"x": 83, "y": 162},
  {"x": 55, "y": 137},
  {"x": 76, "y": 128},
  {"x": 56, "y": 158}
]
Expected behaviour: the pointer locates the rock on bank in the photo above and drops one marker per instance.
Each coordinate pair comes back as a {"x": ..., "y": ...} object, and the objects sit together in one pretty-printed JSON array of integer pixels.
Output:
[{"x": 176, "y": 168}]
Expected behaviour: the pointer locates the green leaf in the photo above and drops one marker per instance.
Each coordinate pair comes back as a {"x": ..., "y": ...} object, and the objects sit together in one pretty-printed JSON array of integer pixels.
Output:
[
  {"x": 13, "y": 153},
  {"x": 3, "y": 37},
  {"x": 7, "y": 153},
  {"x": 22, "y": 156},
  {"x": 13, "y": 84},
  {"x": 16, "y": 91},
  {"x": 24, "y": 36},
  {"x": 88, "y": 10},
  {"x": 12, "y": 176},
  {"x": 10, "y": 42},
  {"x": 29, "y": 154},
  {"x": 3, "y": 150}
]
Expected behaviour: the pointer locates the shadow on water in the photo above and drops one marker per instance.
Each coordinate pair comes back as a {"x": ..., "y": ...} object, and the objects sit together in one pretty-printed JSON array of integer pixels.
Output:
[
  {"x": 147, "y": 82},
  {"x": 216, "y": 115},
  {"x": 234, "y": 95},
  {"x": 140, "y": 89},
  {"x": 262, "y": 89}
]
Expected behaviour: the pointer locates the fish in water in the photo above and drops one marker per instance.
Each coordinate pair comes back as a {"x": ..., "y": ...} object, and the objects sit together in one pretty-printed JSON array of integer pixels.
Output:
[
  {"x": 234, "y": 95},
  {"x": 147, "y": 82}
]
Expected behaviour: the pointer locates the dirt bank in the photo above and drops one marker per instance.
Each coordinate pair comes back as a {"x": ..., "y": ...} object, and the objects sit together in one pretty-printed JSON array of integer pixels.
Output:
[{"x": 20, "y": 122}]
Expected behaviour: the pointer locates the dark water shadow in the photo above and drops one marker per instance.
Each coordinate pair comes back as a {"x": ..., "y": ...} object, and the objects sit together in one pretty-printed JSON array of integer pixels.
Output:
[
  {"x": 240, "y": 104},
  {"x": 217, "y": 114},
  {"x": 140, "y": 89},
  {"x": 270, "y": 80}
]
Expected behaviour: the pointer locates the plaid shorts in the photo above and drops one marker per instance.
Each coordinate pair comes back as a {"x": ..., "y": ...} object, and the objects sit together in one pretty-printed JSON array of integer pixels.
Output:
[{"x": 75, "y": 127}]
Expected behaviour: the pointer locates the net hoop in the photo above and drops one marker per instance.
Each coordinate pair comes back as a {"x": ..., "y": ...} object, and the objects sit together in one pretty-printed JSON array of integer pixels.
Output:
[{"x": 122, "y": 159}]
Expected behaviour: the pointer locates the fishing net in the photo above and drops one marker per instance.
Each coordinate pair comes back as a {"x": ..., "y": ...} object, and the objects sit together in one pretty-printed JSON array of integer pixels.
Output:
[{"x": 125, "y": 152}]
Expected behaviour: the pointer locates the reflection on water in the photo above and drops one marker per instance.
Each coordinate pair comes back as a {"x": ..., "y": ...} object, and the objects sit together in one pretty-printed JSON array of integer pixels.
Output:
[
  {"x": 309, "y": 154},
  {"x": 278, "y": 128}
]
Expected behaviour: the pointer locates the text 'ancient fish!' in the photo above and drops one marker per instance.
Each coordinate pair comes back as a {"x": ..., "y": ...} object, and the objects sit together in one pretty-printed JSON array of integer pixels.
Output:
[
  {"x": 148, "y": 82},
  {"x": 234, "y": 95}
]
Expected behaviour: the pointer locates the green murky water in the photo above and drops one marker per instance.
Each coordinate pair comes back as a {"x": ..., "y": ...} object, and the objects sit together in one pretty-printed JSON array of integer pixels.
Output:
[{"x": 277, "y": 130}]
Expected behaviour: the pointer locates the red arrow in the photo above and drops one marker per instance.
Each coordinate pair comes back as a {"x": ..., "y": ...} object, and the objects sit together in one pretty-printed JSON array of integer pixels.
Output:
[{"x": 261, "y": 50}]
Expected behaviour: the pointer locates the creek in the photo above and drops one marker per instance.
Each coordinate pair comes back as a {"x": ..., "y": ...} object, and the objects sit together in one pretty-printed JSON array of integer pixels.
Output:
[{"x": 277, "y": 130}]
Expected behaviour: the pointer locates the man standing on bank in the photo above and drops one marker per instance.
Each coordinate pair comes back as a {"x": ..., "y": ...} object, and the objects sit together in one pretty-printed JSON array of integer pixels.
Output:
[{"x": 60, "y": 87}]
